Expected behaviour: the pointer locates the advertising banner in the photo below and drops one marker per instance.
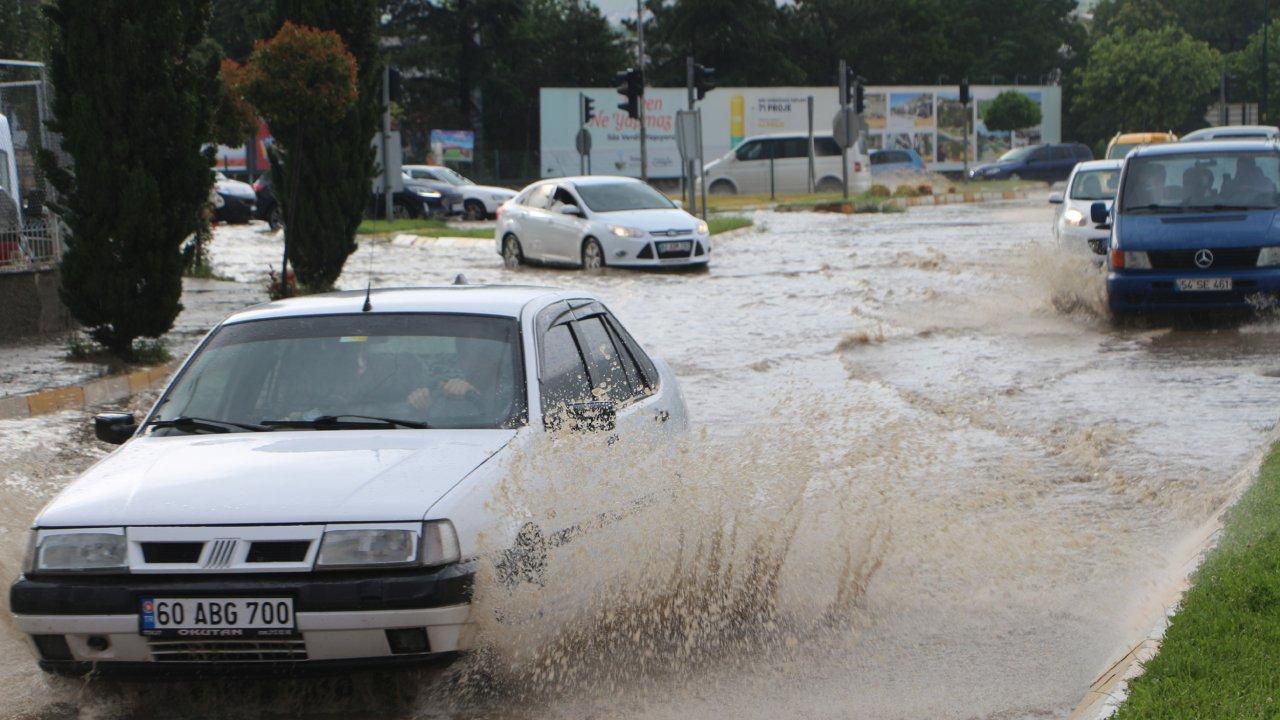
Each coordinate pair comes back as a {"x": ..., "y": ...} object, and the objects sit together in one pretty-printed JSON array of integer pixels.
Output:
[
  {"x": 453, "y": 145},
  {"x": 928, "y": 119}
]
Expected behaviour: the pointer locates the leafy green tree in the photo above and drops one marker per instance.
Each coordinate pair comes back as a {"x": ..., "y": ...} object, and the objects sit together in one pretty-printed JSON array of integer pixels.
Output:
[
  {"x": 479, "y": 64},
  {"x": 234, "y": 118},
  {"x": 324, "y": 203},
  {"x": 1011, "y": 110},
  {"x": 303, "y": 82},
  {"x": 237, "y": 24},
  {"x": 1146, "y": 80},
  {"x": 741, "y": 39},
  {"x": 24, "y": 33},
  {"x": 133, "y": 114},
  {"x": 1245, "y": 68},
  {"x": 1224, "y": 24}
]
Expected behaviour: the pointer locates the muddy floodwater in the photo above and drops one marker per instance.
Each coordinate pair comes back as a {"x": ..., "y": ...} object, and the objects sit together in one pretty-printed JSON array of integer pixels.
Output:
[{"x": 928, "y": 480}]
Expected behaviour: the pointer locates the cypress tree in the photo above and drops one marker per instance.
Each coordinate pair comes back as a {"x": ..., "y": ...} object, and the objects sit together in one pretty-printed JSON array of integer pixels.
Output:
[
  {"x": 323, "y": 210},
  {"x": 133, "y": 90}
]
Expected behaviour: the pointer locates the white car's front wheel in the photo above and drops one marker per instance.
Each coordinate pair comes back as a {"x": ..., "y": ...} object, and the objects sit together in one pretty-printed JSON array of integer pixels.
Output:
[
  {"x": 592, "y": 255},
  {"x": 512, "y": 256}
]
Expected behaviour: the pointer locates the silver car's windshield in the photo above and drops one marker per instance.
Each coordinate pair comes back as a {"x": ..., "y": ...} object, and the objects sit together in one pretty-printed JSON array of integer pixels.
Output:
[
  {"x": 434, "y": 370},
  {"x": 1095, "y": 184},
  {"x": 452, "y": 177},
  {"x": 616, "y": 197},
  {"x": 1206, "y": 181}
]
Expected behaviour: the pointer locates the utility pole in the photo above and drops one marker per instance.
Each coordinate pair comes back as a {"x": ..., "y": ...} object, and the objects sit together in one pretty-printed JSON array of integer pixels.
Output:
[
  {"x": 386, "y": 145},
  {"x": 644, "y": 131},
  {"x": 690, "y": 166},
  {"x": 844, "y": 104},
  {"x": 1263, "y": 110}
]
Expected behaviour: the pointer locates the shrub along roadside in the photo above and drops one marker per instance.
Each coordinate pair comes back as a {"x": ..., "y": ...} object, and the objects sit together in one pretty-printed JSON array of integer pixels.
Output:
[{"x": 1221, "y": 654}]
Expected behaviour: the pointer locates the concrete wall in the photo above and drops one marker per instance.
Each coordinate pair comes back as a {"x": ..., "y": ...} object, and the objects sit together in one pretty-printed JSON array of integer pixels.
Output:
[{"x": 29, "y": 304}]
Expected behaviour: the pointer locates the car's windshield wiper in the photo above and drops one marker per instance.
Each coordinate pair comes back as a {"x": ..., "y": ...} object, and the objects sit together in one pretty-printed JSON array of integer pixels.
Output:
[
  {"x": 1220, "y": 206},
  {"x": 1154, "y": 207},
  {"x": 207, "y": 424},
  {"x": 345, "y": 420}
]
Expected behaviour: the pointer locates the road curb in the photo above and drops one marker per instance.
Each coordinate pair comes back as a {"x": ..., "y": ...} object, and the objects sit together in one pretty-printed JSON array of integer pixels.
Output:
[
  {"x": 99, "y": 391},
  {"x": 1108, "y": 692}
]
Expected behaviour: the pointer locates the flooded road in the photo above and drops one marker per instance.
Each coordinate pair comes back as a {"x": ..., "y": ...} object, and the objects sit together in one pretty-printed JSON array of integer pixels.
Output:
[{"x": 966, "y": 490}]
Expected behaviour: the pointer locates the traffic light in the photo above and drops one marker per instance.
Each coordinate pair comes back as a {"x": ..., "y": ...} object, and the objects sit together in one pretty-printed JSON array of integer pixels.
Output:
[
  {"x": 393, "y": 85},
  {"x": 704, "y": 80},
  {"x": 859, "y": 96},
  {"x": 851, "y": 79},
  {"x": 631, "y": 85},
  {"x": 964, "y": 91},
  {"x": 588, "y": 109}
]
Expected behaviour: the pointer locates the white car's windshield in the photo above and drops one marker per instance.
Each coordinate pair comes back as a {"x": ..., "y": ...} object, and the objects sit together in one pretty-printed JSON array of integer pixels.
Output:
[
  {"x": 616, "y": 197},
  {"x": 452, "y": 177},
  {"x": 323, "y": 372},
  {"x": 1095, "y": 185},
  {"x": 1202, "y": 181}
]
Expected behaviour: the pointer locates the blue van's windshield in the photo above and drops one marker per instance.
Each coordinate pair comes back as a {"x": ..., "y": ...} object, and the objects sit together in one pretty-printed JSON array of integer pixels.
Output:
[{"x": 1202, "y": 182}]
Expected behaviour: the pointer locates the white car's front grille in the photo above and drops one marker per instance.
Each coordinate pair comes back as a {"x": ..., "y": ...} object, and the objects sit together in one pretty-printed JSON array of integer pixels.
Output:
[
  {"x": 237, "y": 650},
  {"x": 220, "y": 553},
  {"x": 199, "y": 549},
  {"x": 671, "y": 233}
]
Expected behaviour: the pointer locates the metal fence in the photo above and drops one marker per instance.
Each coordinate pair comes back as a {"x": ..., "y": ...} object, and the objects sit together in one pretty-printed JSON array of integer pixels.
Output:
[{"x": 39, "y": 244}]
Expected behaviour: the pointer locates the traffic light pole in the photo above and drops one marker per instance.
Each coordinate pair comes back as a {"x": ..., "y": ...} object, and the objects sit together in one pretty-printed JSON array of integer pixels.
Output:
[
  {"x": 582, "y": 113},
  {"x": 690, "y": 165},
  {"x": 844, "y": 151},
  {"x": 644, "y": 131}
]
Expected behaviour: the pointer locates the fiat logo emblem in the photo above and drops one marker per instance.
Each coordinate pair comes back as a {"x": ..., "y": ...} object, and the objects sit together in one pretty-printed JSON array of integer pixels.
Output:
[{"x": 1204, "y": 258}]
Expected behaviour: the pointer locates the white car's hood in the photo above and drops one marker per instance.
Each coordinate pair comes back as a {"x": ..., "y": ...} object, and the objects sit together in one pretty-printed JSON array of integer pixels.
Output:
[
  {"x": 274, "y": 477},
  {"x": 234, "y": 188},
  {"x": 650, "y": 220},
  {"x": 493, "y": 189}
]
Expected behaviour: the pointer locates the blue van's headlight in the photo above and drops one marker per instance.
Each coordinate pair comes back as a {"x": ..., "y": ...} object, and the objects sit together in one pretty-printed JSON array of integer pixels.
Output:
[{"x": 1269, "y": 256}]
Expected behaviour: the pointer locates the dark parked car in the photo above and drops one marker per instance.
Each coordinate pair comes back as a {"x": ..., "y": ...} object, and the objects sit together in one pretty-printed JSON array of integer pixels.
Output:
[
  {"x": 450, "y": 197},
  {"x": 268, "y": 208},
  {"x": 1034, "y": 162},
  {"x": 233, "y": 201}
]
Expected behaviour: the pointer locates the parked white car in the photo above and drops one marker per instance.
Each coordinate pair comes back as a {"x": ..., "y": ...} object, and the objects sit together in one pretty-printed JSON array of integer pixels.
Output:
[
  {"x": 478, "y": 201},
  {"x": 1090, "y": 182},
  {"x": 1233, "y": 132},
  {"x": 317, "y": 484},
  {"x": 597, "y": 221},
  {"x": 746, "y": 168}
]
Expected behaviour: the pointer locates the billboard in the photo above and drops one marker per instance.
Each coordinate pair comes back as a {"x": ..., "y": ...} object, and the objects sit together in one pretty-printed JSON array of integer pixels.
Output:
[
  {"x": 453, "y": 145},
  {"x": 929, "y": 119}
]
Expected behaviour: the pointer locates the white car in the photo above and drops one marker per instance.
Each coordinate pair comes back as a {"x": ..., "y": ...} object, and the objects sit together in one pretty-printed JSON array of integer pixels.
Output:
[
  {"x": 1233, "y": 132},
  {"x": 317, "y": 484},
  {"x": 1090, "y": 182},
  {"x": 746, "y": 169},
  {"x": 599, "y": 220},
  {"x": 478, "y": 201}
]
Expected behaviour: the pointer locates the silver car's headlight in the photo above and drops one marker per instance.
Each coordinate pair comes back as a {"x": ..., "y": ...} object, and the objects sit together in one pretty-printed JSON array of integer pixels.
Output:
[
  {"x": 433, "y": 543},
  {"x": 500, "y": 197},
  {"x": 427, "y": 193},
  {"x": 86, "y": 550},
  {"x": 622, "y": 231},
  {"x": 1074, "y": 217},
  {"x": 1269, "y": 256},
  {"x": 702, "y": 228}
]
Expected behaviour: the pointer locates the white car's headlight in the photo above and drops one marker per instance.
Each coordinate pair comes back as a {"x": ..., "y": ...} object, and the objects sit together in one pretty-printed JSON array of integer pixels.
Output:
[
  {"x": 427, "y": 193},
  {"x": 627, "y": 232},
  {"x": 1269, "y": 256},
  {"x": 500, "y": 197},
  {"x": 702, "y": 228},
  {"x": 434, "y": 543},
  {"x": 89, "y": 550},
  {"x": 1074, "y": 218},
  {"x": 362, "y": 547}
]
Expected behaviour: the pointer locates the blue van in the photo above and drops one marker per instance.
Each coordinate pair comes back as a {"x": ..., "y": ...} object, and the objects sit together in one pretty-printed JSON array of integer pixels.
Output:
[{"x": 1194, "y": 226}]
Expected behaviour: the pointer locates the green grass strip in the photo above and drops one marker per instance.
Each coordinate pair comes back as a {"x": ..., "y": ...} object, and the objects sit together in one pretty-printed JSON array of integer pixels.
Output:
[{"x": 1221, "y": 655}]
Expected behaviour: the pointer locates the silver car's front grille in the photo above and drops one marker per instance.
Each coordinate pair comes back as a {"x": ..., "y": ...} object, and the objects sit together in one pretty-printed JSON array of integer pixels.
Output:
[
  {"x": 231, "y": 650},
  {"x": 671, "y": 233}
]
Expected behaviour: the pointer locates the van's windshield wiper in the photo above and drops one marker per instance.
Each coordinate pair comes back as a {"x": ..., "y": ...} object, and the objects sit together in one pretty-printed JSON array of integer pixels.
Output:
[
  {"x": 186, "y": 422},
  {"x": 1154, "y": 207},
  {"x": 1228, "y": 207},
  {"x": 347, "y": 421}
]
